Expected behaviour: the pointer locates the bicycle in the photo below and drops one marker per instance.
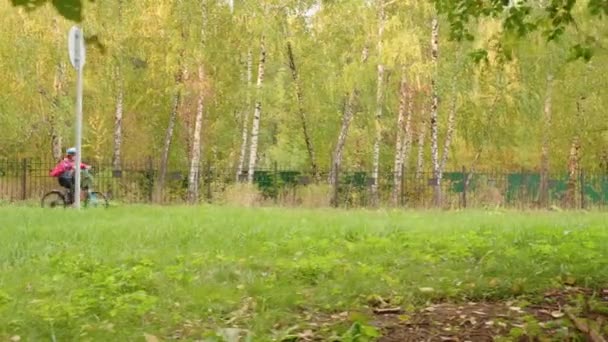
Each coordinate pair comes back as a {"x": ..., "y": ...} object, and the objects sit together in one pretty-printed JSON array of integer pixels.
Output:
[{"x": 65, "y": 198}]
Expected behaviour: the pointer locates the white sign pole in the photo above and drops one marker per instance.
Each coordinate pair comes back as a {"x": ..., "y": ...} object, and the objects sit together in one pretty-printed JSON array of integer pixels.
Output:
[
  {"x": 78, "y": 138},
  {"x": 77, "y": 58}
]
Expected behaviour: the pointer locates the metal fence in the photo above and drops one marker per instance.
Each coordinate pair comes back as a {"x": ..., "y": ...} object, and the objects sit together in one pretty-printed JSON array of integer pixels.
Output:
[{"x": 138, "y": 182}]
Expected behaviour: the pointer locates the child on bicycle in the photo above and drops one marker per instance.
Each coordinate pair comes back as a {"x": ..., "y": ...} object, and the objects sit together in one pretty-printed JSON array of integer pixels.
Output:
[{"x": 64, "y": 170}]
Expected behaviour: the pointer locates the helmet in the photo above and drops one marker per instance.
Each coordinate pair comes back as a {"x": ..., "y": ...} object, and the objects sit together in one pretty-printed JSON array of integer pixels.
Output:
[{"x": 71, "y": 151}]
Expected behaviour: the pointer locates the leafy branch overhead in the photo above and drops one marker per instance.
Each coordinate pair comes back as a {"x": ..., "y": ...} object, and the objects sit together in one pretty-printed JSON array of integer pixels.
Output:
[
  {"x": 520, "y": 18},
  {"x": 69, "y": 9}
]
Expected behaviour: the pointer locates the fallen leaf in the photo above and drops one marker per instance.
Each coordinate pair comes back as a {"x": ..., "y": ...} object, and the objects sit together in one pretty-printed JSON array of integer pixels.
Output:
[
  {"x": 307, "y": 335},
  {"x": 151, "y": 338},
  {"x": 426, "y": 289},
  {"x": 376, "y": 301},
  {"x": 404, "y": 318},
  {"x": 570, "y": 281},
  {"x": 515, "y": 308},
  {"x": 581, "y": 324},
  {"x": 232, "y": 334},
  {"x": 557, "y": 314},
  {"x": 16, "y": 338},
  {"x": 388, "y": 311}
]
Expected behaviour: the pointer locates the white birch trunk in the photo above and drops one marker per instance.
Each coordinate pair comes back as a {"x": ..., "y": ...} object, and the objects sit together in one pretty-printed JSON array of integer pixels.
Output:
[
  {"x": 56, "y": 139},
  {"x": 449, "y": 133},
  {"x": 116, "y": 155},
  {"x": 572, "y": 200},
  {"x": 434, "y": 116},
  {"x": 255, "y": 129},
  {"x": 379, "y": 104},
  {"x": 195, "y": 161},
  {"x": 245, "y": 132},
  {"x": 347, "y": 118},
  {"x": 421, "y": 142},
  {"x": 573, "y": 172},
  {"x": 408, "y": 134},
  {"x": 167, "y": 146},
  {"x": 405, "y": 151},
  {"x": 118, "y": 113},
  {"x": 544, "y": 161},
  {"x": 401, "y": 139}
]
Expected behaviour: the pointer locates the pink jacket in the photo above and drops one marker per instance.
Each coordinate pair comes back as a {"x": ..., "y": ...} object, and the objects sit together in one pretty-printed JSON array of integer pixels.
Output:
[{"x": 66, "y": 165}]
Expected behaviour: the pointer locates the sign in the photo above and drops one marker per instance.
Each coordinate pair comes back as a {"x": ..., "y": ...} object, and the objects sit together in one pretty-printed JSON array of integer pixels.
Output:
[{"x": 76, "y": 47}]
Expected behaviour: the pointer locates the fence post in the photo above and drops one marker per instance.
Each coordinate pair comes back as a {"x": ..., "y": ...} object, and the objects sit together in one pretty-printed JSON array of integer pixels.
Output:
[
  {"x": 464, "y": 187},
  {"x": 208, "y": 179},
  {"x": 335, "y": 194},
  {"x": 150, "y": 168},
  {"x": 402, "y": 196},
  {"x": 24, "y": 179},
  {"x": 582, "y": 189},
  {"x": 275, "y": 182}
]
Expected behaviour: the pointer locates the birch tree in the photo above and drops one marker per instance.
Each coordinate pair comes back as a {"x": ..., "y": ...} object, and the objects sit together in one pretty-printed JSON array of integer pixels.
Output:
[
  {"x": 379, "y": 104},
  {"x": 347, "y": 117},
  {"x": 195, "y": 161},
  {"x": 407, "y": 141},
  {"x": 255, "y": 128},
  {"x": 422, "y": 132},
  {"x": 434, "y": 109},
  {"x": 245, "y": 116},
  {"x": 164, "y": 161},
  {"x": 304, "y": 121},
  {"x": 545, "y": 150},
  {"x": 574, "y": 163},
  {"x": 58, "y": 87},
  {"x": 195, "y": 153},
  {"x": 118, "y": 121},
  {"x": 402, "y": 143}
]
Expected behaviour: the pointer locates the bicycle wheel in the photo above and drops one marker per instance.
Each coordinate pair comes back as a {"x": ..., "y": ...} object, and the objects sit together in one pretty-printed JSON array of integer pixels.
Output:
[
  {"x": 54, "y": 199},
  {"x": 96, "y": 200}
]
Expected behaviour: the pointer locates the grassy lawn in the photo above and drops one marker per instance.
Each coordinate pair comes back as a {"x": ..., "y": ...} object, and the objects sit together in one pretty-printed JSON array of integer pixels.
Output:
[{"x": 118, "y": 274}]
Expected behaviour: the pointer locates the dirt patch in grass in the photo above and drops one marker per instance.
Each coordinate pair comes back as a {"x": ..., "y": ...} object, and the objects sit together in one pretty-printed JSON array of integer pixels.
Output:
[{"x": 564, "y": 315}]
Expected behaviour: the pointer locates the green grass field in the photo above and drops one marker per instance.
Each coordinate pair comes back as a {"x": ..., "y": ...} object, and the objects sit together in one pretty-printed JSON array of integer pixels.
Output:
[{"x": 181, "y": 272}]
